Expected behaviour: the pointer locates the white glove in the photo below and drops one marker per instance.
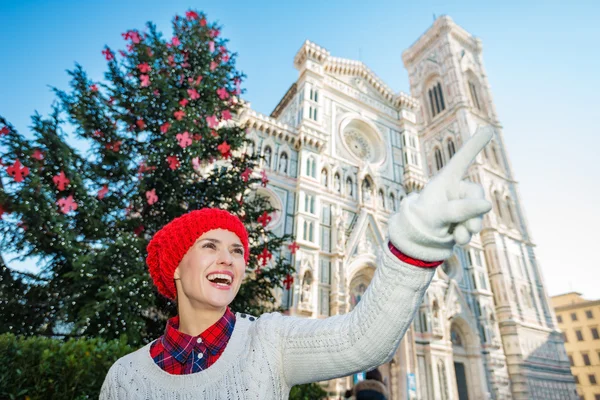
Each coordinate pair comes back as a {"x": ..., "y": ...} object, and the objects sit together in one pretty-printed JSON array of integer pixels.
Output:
[{"x": 446, "y": 212}]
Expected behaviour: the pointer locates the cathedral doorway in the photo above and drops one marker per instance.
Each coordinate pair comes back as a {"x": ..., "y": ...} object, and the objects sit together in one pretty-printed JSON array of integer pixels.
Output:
[
  {"x": 464, "y": 360},
  {"x": 461, "y": 381}
]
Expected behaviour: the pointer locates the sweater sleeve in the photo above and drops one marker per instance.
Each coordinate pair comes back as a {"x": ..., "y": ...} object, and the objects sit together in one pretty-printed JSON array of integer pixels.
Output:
[
  {"x": 320, "y": 349},
  {"x": 110, "y": 387}
]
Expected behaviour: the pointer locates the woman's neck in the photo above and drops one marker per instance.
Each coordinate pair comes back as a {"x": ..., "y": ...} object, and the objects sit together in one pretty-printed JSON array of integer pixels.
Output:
[{"x": 195, "y": 321}]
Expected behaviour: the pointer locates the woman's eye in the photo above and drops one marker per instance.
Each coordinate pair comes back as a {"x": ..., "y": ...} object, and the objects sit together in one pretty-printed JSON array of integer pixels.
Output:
[
  {"x": 209, "y": 245},
  {"x": 239, "y": 251}
]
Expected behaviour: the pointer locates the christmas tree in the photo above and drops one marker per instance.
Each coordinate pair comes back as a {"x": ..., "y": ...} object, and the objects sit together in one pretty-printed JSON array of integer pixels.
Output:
[{"x": 163, "y": 140}]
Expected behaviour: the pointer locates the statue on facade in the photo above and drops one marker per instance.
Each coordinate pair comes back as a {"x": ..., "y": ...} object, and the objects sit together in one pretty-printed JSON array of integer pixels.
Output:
[
  {"x": 306, "y": 288},
  {"x": 340, "y": 224},
  {"x": 366, "y": 191},
  {"x": 283, "y": 163},
  {"x": 336, "y": 183}
]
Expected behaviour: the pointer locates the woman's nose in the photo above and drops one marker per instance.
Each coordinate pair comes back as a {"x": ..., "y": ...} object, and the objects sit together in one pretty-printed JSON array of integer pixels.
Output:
[{"x": 225, "y": 257}]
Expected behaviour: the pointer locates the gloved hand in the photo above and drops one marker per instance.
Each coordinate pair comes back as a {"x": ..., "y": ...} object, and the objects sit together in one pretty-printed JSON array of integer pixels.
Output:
[{"x": 446, "y": 212}]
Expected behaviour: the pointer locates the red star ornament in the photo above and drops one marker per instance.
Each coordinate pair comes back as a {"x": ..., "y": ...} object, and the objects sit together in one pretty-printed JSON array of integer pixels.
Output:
[
  {"x": 293, "y": 247},
  {"x": 246, "y": 174},
  {"x": 61, "y": 181},
  {"x": 173, "y": 162},
  {"x": 151, "y": 196},
  {"x": 18, "y": 171},
  {"x": 67, "y": 204},
  {"x": 287, "y": 282},
  {"x": 264, "y": 219},
  {"x": 265, "y": 256},
  {"x": 179, "y": 115},
  {"x": 224, "y": 149}
]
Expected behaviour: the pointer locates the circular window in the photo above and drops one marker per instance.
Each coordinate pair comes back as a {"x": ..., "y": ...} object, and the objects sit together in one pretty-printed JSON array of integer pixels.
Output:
[
  {"x": 358, "y": 144},
  {"x": 362, "y": 140}
]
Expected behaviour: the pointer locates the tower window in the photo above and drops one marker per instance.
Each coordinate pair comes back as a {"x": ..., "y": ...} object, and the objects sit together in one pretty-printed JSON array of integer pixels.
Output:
[
  {"x": 474, "y": 97},
  {"x": 436, "y": 99},
  {"x": 439, "y": 161},
  {"x": 451, "y": 148}
]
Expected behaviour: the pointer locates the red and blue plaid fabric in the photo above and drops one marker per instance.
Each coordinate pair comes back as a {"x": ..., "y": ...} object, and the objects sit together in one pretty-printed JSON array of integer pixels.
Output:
[{"x": 180, "y": 354}]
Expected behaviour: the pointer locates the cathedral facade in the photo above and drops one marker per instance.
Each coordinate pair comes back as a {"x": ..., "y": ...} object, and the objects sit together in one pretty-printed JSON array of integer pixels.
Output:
[{"x": 342, "y": 151}]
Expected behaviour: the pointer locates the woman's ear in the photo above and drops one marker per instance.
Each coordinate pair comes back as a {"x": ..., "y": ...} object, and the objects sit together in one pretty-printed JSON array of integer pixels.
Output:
[{"x": 176, "y": 273}]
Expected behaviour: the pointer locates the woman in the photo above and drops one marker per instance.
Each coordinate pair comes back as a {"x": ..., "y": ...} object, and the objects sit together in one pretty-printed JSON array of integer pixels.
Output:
[{"x": 208, "y": 352}]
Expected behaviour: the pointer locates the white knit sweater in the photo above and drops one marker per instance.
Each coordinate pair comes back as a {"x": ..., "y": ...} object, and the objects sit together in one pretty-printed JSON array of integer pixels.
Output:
[{"x": 267, "y": 356}]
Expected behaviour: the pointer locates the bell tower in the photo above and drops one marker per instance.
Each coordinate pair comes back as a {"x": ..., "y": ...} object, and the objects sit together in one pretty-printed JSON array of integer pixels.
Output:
[{"x": 447, "y": 76}]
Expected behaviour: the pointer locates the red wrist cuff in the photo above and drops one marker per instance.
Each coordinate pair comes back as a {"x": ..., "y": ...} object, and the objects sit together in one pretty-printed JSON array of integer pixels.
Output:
[{"x": 412, "y": 261}]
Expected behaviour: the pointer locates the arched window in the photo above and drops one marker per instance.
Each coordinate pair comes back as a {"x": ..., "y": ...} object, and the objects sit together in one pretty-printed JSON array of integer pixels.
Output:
[
  {"x": 436, "y": 99},
  {"x": 267, "y": 154},
  {"x": 366, "y": 189},
  {"x": 439, "y": 161},
  {"x": 283, "y": 161},
  {"x": 324, "y": 177},
  {"x": 495, "y": 155},
  {"x": 381, "y": 199},
  {"x": 349, "y": 187},
  {"x": 423, "y": 321},
  {"x": 498, "y": 205},
  {"x": 311, "y": 166},
  {"x": 509, "y": 210},
  {"x": 474, "y": 96},
  {"x": 307, "y": 233},
  {"x": 392, "y": 201},
  {"x": 337, "y": 183},
  {"x": 451, "y": 148}
]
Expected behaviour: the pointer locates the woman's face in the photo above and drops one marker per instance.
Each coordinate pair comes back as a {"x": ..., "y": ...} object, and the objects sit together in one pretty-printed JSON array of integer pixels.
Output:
[{"x": 212, "y": 271}]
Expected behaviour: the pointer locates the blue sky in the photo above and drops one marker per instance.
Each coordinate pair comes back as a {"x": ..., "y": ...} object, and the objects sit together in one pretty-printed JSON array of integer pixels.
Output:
[{"x": 541, "y": 58}]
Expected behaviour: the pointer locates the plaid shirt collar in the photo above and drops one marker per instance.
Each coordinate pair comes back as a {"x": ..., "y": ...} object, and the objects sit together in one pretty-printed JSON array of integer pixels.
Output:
[{"x": 180, "y": 345}]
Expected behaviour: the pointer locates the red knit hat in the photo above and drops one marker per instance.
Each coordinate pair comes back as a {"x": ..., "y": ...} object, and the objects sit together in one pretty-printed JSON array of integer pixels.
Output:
[{"x": 172, "y": 242}]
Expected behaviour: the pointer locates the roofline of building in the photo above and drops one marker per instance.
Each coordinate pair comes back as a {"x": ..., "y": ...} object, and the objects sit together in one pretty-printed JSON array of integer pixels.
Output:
[
  {"x": 564, "y": 294},
  {"x": 583, "y": 304}
]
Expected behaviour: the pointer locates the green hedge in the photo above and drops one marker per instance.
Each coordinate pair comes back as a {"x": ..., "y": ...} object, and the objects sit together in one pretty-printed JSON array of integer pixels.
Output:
[
  {"x": 44, "y": 368},
  {"x": 38, "y": 368}
]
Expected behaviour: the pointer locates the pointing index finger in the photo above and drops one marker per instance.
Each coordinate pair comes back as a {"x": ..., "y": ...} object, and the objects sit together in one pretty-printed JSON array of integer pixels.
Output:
[{"x": 459, "y": 164}]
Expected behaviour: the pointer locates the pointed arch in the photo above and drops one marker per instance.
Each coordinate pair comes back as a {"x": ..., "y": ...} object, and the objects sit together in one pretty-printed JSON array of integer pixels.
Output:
[
  {"x": 283, "y": 163},
  {"x": 337, "y": 182},
  {"x": 267, "y": 153},
  {"x": 450, "y": 147},
  {"x": 439, "y": 160},
  {"x": 324, "y": 177}
]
